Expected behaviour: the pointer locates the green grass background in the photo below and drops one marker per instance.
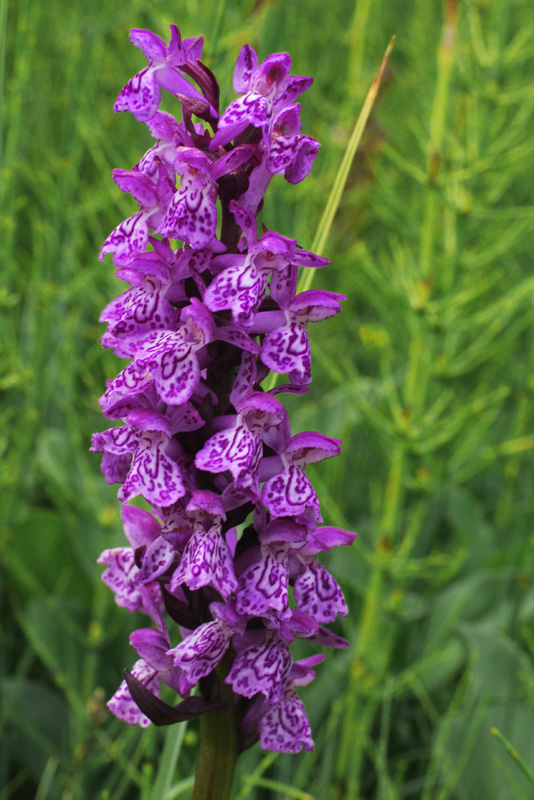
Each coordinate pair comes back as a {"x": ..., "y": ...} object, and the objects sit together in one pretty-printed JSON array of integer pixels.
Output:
[{"x": 427, "y": 376}]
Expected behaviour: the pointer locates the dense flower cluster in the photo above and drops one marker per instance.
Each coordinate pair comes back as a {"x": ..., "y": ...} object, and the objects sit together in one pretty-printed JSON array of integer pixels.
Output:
[{"x": 236, "y": 525}]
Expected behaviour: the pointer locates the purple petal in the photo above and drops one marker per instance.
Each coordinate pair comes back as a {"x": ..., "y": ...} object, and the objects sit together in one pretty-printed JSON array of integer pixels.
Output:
[
  {"x": 118, "y": 441},
  {"x": 285, "y": 727},
  {"x": 200, "y": 652},
  {"x": 141, "y": 527},
  {"x": 317, "y": 594},
  {"x": 121, "y": 577},
  {"x": 247, "y": 222},
  {"x": 264, "y": 585},
  {"x": 237, "y": 450},
  {"x": 128, "y": 238},
  {"x": 302, "y": 162},
  {"x": 290, "y": 493},
  {"x": 240, "y": 289},
  {"x": 138, "y": 185},
  {"x": 122, "y": 705},
  {"x": 297, "y": 85},
  {"x": 309, "y": 447},
  {"x": 191, "y": 216},
  {"x": 316, "y": 305},
  {"x": 157, "y": 559},
  {"x": 287, "y": 349},
  {"x": 247, "y": 63},
  {"x": 152, "y": 646},
  {"x": 261, "y": 668},
  {"x": 238, "y": 337},
  {"x": 152, "y": 46},
  {"x": 141, "y": 96},
  {"x": 245, "y": 379},
  {"x": 153, "y": 475},
  {"x": 206, "y": 561}
]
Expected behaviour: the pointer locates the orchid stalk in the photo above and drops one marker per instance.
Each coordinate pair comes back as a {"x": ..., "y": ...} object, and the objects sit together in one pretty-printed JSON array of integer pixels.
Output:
[{"x": 236, "y": 527}]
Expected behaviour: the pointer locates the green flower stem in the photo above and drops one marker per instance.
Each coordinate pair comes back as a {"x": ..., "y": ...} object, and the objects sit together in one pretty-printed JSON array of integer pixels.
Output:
[
  {"x": 378, "y": 629},
  {"x": 218, "y": 749}
]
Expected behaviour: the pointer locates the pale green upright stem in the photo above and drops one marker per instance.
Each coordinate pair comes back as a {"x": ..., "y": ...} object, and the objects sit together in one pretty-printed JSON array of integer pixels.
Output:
[{"x": 377, "y": 631}]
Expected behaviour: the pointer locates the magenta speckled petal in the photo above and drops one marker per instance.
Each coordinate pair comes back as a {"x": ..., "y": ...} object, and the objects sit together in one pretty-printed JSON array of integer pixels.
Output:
[
  {"x": 206, "y": 561},
  {"x": 122, "y": 705},
  {"x": 153, "y": 475},
  {"x": 264, "y": 585},
  {"x": 287, "y": 349},
  {"x": 141, "y": 96},
  {"x": 121, "y": 576},
  {"x": 157, "y": 559},
  {"x": 237, "y": 450},
  {"x": 200, "y": 652},
  {"x": 285, "y": 727},
  {"x": 261, "y": 668},
  {"x": 290, "y": 493},
  {"x": 247, "y": 63},
  {"x": 240, "y": 289},
  {"x": 245, "y": 379},
  {"x": 118, "y": 441},
  {"x": 317, "y": 594},
  {"x": 192, "y": 215},
  {"x": 128, "y": 238}
]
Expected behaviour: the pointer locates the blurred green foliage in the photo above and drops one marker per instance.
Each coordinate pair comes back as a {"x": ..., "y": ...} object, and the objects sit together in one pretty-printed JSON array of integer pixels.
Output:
[{"x": 428, "y": 376}]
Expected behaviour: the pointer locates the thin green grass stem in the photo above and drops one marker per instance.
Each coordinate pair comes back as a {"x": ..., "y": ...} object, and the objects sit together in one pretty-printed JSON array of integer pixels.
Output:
[
  {"x": 512, "y": 752},
  {"x": 334, "y": 199},
  {"x": 167, "y": 763},
  {"x": 445, "y": 59}
]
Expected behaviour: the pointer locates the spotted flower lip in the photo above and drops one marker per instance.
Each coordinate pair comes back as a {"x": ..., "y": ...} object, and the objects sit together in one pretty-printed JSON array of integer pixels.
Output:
[
  {"x": 228, "y": 563},
  {"x": 142, "y": 94}
]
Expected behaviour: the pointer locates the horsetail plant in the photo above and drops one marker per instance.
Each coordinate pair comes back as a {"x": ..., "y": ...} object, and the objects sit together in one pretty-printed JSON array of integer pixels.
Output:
[{"x": 229, "y": 551}]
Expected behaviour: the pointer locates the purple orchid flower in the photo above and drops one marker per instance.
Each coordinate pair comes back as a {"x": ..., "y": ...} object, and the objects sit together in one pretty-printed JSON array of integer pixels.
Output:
[
  {"x": 227, "y": 564},
  {"x": 142, "y": 93}
]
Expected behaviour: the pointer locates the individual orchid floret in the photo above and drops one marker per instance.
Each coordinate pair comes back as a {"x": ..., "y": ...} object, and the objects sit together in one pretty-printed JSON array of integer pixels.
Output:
[
  {"x": 154, "y": 668},
  {"x": 263, "y": 87},
  {"x": 141, "y": 310},
  {"x": 192, "y": 214},
  {"x": 262, "y": 664},
  {"x": 286, "y": 348},
  {"x": 143, "y": 456},
  {"x": 284, "y": 727},
  {"x": 289, "y": 493},
  {"x": 171, "y": 359},
  {"x": 122, "y": 573},
  {"x": 287, "y": 152},
  {"x": 170, "y": 135},
  {"x": 202, "y": 650},
  {"x": 242, "y": 286},
  {"x": 239, "y": 449},
  {"x": 153, "y": 194},
  {"x": 142, "y": 94},
  {"x": 207, "y": 559}
]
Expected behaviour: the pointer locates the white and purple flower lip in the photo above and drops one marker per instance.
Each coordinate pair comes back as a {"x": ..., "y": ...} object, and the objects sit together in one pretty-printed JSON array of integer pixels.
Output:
[{"x": 235, "y": 527}]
